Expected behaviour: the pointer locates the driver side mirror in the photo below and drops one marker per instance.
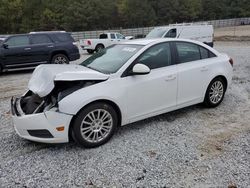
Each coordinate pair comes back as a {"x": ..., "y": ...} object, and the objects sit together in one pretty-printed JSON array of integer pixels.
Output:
[
  {"x": 140, "y": 69},
  {"x": 6, "y": 46}
]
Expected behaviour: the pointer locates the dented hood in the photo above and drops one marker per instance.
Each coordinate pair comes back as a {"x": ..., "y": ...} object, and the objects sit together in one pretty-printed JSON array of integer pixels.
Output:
[{"x": 43, "y": 77}]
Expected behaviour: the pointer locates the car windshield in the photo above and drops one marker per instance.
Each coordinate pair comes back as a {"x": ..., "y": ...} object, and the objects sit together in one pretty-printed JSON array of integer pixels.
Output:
[
  {"x": 156, "y": 33},
  {"x": 111, "y": 59}
]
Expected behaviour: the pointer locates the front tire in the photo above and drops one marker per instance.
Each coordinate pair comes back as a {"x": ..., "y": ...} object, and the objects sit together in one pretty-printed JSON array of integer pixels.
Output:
[
  {"x": 215, "y": 92},
  {"x": 94, "y": 125},
  {"x": 60, "y": 59}
]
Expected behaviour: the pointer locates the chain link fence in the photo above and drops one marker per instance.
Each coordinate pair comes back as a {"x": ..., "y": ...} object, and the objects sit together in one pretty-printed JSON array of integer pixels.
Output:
[{"x": 142, "y": 31}]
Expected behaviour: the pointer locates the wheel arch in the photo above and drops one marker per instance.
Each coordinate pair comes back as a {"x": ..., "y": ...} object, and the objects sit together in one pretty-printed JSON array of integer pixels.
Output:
[
  {"x": 218, "y": 76},
  {"x": 111, "y": 103},
  {"x": 99, "y": 44},
  {"x": 223, "y": 78},
  {"x": 58, "y": 52}
]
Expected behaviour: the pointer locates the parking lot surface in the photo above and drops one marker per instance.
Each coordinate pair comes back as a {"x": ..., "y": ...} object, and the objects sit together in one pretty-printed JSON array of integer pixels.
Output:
[{"x": 192, "y": 147}]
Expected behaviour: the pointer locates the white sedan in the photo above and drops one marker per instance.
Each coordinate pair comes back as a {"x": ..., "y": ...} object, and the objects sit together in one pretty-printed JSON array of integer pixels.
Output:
[{"x": 119, "y": 85}]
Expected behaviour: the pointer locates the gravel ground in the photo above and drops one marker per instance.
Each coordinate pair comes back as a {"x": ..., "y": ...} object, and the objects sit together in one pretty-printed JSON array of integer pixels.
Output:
[
  {"x": 192, "y": 147},
  {"x": 232, "y": 31}
]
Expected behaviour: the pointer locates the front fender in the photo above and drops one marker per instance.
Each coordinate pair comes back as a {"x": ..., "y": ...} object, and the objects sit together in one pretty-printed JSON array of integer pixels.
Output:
[{"x": 74, "y": 102}]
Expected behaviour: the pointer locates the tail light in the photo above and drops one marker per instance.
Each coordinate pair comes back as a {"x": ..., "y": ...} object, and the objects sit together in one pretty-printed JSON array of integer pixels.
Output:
[
  {"x": 75, "y": 44},
  {"x": 231, "y": 62},
  {"x": 88, "y": 42}
]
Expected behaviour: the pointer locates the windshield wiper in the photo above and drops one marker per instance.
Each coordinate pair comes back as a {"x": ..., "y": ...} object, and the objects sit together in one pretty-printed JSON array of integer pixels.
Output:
[{"x": 93, "y": 69}]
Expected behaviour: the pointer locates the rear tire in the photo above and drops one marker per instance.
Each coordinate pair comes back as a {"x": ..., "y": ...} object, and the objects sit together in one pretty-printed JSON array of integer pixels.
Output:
[
  {"x": 90, "y": 51},
  {"x": 94, "y": 125},
  {"x": 60, "y": 59},
  {"x": 215, "y": 92},
  {"x": 99, "y": 47}
]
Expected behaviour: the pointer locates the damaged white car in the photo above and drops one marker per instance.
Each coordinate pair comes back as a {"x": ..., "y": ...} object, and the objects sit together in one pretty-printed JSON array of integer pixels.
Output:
[{"x": 119, "y": 85}]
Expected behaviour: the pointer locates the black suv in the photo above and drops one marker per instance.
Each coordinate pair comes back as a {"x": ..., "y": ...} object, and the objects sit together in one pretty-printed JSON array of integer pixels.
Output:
[{"x": 28, "y": 50}]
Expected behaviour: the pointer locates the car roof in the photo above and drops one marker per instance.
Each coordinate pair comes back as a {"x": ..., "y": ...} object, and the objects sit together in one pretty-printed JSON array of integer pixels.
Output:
[
  {"x": 46, "y": 32},
  {"x": 35, "y": 33},
  {"x": 150, "y": 42},
  {"x": 3, "y": 36},
  {"x": 146, "y": 41}
]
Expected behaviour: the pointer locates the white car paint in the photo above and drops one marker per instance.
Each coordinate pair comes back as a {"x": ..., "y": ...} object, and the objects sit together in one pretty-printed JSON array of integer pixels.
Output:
[
  {"x": 45, "y": 75},
  {"x": 137, "y": 97},
  {"x": 48, "y": 120}
]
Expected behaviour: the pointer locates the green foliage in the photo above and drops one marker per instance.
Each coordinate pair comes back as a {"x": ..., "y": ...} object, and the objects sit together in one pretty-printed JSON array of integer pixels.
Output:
[{"x": 18, "y": 16}]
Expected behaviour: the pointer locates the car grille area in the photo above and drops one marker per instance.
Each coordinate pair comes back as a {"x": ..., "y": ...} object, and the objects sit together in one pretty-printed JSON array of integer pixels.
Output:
[{"x": 40, "y": 133}]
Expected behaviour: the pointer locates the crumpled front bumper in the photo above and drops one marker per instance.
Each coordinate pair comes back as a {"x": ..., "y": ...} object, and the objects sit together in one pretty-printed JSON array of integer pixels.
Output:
[{"x": 40, "y": 127}]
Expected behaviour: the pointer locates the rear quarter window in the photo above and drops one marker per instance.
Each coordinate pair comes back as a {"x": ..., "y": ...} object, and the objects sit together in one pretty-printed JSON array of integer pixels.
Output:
[
  {"x": 211, "y": 54},
  {"x": 205, "y": 53}
]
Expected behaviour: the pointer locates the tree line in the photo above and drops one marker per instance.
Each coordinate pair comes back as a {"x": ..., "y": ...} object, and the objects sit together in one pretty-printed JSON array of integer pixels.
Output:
[{"x": 20, "y": 16}]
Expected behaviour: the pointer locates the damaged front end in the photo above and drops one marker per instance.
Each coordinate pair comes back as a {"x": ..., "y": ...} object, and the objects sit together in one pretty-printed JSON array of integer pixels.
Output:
[
  {"x": 32, "y": 103},
  {"x": 38, "y": 118},
  {"x": 36, "y": 114}
]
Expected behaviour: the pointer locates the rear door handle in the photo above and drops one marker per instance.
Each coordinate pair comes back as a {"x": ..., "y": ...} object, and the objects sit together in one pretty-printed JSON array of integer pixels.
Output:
[
  {"x": 170, "y": 77},
  {"x": 203, "y": 69},
  {"x": 27, "y": 48},
  {"x": 50, "y": 46}
]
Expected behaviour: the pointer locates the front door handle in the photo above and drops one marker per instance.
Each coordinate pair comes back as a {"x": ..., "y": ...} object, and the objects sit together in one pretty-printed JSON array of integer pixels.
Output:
[
  {"x": 203, "y": 69},
  {"x": 27, "y": 48},
  {"x": 50, "y": 46},
  {"x": 170, "y": 77}
]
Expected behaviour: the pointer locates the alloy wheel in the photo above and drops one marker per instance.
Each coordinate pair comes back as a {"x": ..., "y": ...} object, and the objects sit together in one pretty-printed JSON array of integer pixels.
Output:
[
  {"x": 60, "y": 60},
  {"x": 216, "y": 92},
  {"x": 96, "y": 125}
]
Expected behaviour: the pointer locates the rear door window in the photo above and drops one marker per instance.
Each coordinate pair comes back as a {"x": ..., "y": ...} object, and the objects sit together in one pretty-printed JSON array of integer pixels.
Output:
[
  {"x": 187, "y": 52},
  {"x": 40, "y": 39},
  {"x": 16, "y": 41}
]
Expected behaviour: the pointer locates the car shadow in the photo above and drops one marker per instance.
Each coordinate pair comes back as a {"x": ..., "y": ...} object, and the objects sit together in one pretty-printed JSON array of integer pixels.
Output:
[
  {"x": 166, "y": 117},
  {"x": 169, "y": 117}
]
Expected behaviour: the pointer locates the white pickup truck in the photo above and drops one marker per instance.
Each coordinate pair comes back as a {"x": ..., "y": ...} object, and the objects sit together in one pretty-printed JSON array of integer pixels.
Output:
[{"x": 105, "y": 40}]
